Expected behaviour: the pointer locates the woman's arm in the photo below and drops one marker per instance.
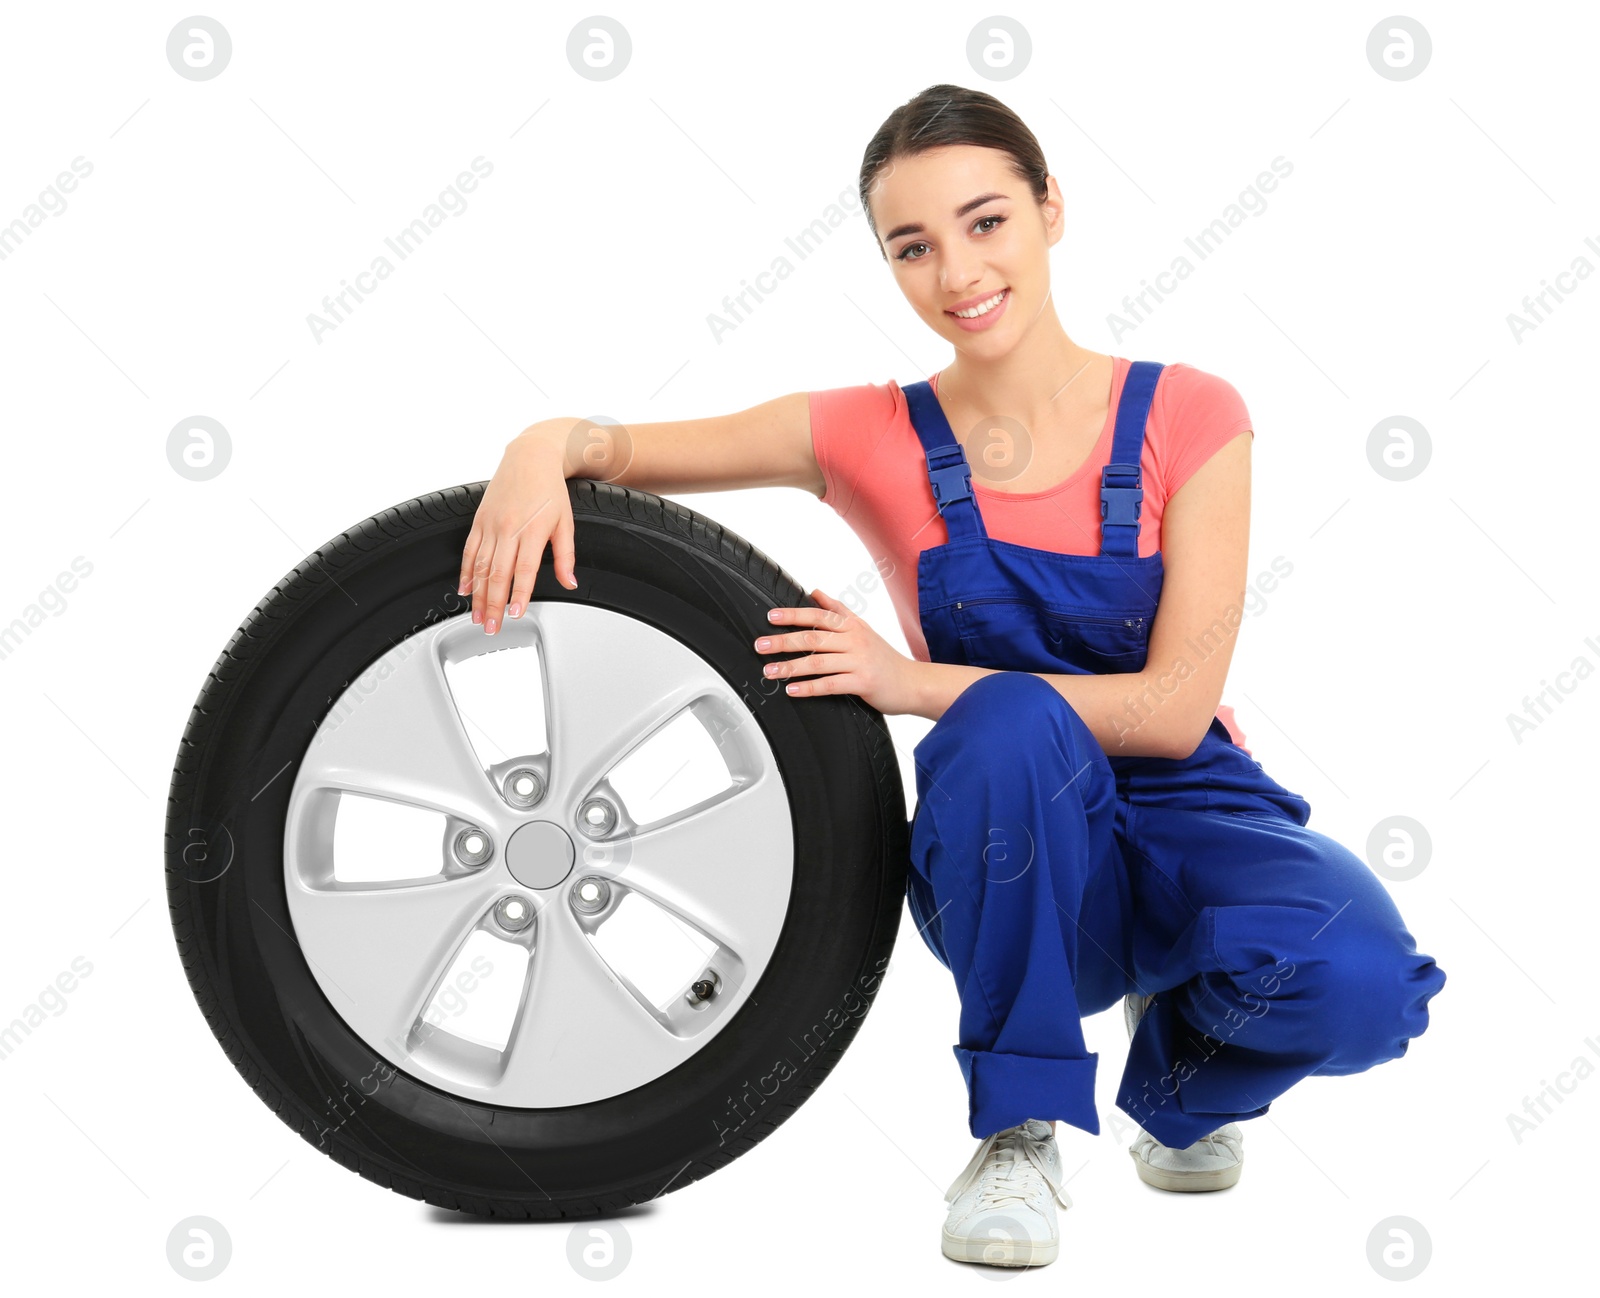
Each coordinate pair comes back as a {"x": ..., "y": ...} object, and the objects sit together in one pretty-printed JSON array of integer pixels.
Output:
[
  {"x": 765, "y": 446},
  {"x": 525, "y": 506},
  {"x": 1164, "y": 710}
]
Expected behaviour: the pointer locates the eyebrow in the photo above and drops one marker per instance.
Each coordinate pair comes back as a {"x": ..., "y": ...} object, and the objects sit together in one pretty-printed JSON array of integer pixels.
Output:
[{"x": 915, "y": 227}]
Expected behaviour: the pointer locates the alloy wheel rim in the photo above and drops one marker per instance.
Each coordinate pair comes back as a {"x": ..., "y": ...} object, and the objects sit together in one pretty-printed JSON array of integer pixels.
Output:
[{"x": 558, "y": 855}]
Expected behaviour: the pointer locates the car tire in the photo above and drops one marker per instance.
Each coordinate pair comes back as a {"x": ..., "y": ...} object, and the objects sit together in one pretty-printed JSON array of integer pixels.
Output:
[{"x": 378, "y": 586}]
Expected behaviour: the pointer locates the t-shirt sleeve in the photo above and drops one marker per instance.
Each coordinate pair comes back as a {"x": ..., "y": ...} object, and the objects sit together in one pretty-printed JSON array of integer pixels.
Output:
[
  {"x": 846, "y": 426},
  {"x": 1207, "y": 413}
]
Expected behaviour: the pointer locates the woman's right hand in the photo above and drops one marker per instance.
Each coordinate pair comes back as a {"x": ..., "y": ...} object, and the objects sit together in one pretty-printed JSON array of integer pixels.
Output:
[{"x": 524, "y": 507}]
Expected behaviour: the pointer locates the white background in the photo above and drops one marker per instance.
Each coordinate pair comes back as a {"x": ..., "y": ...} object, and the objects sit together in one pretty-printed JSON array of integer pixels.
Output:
[{"x": 1377, "y": 681}]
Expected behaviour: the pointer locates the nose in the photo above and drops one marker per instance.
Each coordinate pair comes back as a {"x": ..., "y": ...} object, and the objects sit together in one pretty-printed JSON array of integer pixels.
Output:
[
  {"x": 960, "y": 266},
  {"x": 959, "y": 272}
]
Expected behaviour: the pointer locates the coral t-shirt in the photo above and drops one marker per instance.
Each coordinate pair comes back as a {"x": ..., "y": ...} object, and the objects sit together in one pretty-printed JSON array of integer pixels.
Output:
[{"x": 877, "y": 478}]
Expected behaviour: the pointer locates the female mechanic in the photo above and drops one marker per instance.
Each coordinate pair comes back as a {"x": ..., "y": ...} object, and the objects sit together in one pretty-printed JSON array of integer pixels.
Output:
[{"x": 1068, "y": 575}]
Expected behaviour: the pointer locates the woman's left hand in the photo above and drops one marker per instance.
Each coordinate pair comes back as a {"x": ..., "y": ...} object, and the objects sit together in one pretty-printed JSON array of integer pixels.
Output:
[{"x": 845, "y": 655}]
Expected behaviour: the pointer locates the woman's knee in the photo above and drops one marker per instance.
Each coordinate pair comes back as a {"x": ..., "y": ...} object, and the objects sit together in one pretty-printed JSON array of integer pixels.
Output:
[
  {"x": 1008, "y": 717},
  {"x": 1376, "y": 988}
]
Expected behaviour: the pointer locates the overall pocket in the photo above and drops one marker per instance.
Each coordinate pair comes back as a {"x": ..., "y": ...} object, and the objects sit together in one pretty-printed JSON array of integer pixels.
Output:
[{"x": 1028, "y": 636}]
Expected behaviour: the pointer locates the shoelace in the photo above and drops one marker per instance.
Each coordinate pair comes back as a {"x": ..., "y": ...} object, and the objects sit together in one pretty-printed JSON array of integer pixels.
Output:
[
  {"x": 1004, "y": 1181},
  {"x": 1210, "y": 1142}
]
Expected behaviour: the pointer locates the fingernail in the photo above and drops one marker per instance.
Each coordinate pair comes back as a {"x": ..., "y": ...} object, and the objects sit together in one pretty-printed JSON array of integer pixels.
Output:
[
  {"x": 491, "y": 626},
  {"x": 477, "y": 616},
  {"x": 515, "y": 610},
  {"x": 773, "y": 615},
  {"x": 463, "y": 588},
  {"x": 764, "y": 643},
  {"x": 771, "y": 669}
]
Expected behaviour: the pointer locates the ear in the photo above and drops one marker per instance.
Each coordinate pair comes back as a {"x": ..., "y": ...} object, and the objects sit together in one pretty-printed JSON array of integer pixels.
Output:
[{"x": 1053, "y": 210}]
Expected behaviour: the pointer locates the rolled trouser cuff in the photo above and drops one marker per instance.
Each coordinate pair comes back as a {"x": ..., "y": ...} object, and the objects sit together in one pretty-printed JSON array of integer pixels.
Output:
[{"x": 1005, "y": 1090}]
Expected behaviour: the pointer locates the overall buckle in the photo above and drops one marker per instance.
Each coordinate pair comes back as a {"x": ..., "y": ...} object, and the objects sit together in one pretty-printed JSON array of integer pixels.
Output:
[
  {"x": 1120, "y": 496},
  {"x": 951, "y": 482}
]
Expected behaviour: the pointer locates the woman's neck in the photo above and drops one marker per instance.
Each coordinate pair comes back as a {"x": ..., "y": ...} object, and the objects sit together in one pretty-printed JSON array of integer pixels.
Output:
[{"x": 1038, "y": 382}]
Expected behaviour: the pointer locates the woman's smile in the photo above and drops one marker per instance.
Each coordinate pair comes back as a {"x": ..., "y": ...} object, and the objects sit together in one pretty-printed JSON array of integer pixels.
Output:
[{"x": 982, "y": 312}]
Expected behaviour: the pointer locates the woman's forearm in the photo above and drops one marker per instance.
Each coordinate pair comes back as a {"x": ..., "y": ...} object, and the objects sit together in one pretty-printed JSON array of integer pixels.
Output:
[
  {"x": 768, "y": 445},
  {"x": 1122, "y": 709}
]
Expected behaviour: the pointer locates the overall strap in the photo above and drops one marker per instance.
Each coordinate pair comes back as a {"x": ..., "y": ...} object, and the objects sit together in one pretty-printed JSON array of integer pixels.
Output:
[
  {"x": 1120, "y": 490},
  {"x": 949, "y": 474}
]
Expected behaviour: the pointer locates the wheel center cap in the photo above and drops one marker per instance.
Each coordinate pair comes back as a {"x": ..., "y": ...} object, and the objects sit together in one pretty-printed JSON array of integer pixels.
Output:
[{"x": 540, "y": 854}]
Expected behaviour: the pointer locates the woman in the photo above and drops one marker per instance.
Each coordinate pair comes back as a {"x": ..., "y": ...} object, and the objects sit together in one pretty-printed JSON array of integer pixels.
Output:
[{"x": 1087, "y": 828}]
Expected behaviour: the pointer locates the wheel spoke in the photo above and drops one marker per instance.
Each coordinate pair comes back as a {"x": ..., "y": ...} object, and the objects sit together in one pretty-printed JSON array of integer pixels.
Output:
[
  {"x": 579, "y": 1022},
  {"x": 379, "y": 951},
  {"x": 726, "y": 868},
  {"x": 608, "y": 683},
  {"x": 397, "y": 735}
]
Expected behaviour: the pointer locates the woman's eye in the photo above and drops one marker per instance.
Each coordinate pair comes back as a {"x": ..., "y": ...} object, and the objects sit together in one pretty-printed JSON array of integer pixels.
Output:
[{"x": 905, "y": 253}]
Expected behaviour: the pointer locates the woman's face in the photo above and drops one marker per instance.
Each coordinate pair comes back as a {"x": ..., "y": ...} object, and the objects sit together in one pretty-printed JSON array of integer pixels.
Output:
[{"x": 959, "y": 228}]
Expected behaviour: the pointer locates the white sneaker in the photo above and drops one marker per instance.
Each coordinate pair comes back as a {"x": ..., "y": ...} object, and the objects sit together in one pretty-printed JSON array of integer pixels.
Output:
[
  {"x": 1003, "y": 1205},
  {"x": 1212, "y": 1163},
  {"x": 1133, "y": 1008}
]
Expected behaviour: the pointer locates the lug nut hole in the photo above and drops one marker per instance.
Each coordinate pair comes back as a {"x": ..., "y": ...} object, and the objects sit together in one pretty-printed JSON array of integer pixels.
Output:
[
  {"x": 524, "y": 787},
  {"x": 513, "y": 913},
  {"x": 597, "y": 817},
  {"x": 591, "y": 896},
  {"x": 473, "y": 846}
]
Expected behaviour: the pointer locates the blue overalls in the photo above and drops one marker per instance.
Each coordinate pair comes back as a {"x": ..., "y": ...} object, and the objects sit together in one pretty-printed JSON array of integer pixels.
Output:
[{"x": 1051, "y": 879}]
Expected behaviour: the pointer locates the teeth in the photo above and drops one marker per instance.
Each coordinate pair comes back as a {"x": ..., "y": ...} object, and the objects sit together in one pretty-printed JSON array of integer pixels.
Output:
[{"x": 983, "y": 308}]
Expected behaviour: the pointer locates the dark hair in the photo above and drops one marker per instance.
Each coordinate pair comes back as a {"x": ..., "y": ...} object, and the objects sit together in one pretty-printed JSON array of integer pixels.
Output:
[{"x": 943, "y": 115}]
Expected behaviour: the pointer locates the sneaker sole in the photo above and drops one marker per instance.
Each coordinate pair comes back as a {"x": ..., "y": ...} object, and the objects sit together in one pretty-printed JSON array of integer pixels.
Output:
[
  {"x": 1021, "y": 1253},
  {"x": 1220, "y": 1179}
]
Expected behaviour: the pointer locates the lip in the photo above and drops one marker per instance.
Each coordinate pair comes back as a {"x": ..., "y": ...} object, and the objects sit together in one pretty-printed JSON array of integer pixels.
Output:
[{"x": 983, "y": 321}]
